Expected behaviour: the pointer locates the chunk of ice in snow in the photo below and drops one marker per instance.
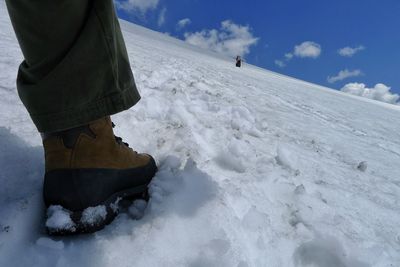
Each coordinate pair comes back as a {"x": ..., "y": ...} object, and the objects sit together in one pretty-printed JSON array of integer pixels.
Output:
[
  {"x": 234, "y": 156},
  {"x": 59, "y": 218},
  {"x": 93, "y": 215},
  {"x": 136, "y": 210},
  {"x": 285, "y": 157}
]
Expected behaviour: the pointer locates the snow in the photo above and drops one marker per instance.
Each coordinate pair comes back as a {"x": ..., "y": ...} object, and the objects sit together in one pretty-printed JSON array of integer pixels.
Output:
[
  {"x": 59, "y": 219},
  {"x": 94, "y": 215},
  {"x": 49, "y": 243},
  {"x": 255, "y": 169},
  {"x": 137, "y": 209},
  {"x": 287, "y": 158}
]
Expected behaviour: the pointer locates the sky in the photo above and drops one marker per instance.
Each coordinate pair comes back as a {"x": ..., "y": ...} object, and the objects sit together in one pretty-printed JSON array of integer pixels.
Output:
[{"x": 349, "y": 45}]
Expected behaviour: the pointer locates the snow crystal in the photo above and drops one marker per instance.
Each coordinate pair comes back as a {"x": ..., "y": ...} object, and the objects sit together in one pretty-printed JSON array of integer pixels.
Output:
[
  {"x": 94, "y": 215},
  {"x": 59, "y": 218}
]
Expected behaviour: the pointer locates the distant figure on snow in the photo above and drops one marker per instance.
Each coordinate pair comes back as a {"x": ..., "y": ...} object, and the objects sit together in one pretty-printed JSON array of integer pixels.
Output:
[{"x": 238, "y": 61}]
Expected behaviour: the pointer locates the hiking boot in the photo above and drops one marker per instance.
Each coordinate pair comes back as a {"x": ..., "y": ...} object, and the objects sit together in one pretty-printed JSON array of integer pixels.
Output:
[{"x": 88, "y": 171}]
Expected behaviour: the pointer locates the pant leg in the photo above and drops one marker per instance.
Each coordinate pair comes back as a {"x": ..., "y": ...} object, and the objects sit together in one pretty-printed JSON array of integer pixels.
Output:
[{"x": 76, "y": 67}]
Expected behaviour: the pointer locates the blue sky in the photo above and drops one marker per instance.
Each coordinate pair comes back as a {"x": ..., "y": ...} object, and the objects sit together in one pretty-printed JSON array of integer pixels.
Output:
[{"x": 265, "y": 31}]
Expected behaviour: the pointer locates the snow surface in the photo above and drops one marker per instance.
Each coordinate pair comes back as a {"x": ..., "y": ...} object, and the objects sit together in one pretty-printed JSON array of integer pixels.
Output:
[
  {"x": 137, "y": 209},
  {"x": 256, "y": 169}
]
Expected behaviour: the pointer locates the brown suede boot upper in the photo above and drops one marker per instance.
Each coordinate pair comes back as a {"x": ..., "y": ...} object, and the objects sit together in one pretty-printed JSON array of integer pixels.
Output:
[{"x": 98, "y": 151}]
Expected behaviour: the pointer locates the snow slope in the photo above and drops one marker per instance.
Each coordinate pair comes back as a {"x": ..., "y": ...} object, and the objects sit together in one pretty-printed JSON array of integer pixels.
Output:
[{"x": 256, "y": 169}]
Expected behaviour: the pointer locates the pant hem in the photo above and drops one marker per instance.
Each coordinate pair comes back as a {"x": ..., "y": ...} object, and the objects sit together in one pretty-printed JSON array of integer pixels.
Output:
[{"x": 81, "y": 115}]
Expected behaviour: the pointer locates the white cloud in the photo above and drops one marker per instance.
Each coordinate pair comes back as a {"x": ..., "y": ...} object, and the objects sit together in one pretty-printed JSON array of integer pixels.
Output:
[
  {"x": 288, "y": 56},
  {"x": 141, "y": 5},
  {"x": 349, "y": 51},
  {"x": 280, "y": 63},
  {"x": 303, "y": 50},
  {"x": 231, "y": 39},
  {"x": 161, "y": 17},
  {"x": 307, "y": 49},
  {"x": 183, "y": 23},
  {"x": 380, "y": 92},
  {"x": 344, "y": 74}
]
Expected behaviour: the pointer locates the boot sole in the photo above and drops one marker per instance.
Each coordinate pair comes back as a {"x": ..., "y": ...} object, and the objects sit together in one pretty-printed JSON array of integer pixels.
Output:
[{"x": 80, "y": 223}]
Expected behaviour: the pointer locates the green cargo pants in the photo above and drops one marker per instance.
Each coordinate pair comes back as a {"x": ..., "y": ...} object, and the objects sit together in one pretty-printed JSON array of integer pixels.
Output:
[{"x": 76, "y": 67}]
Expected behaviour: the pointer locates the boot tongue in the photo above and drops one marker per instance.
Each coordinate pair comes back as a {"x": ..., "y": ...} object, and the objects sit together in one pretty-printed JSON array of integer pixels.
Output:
[{"x": 70, "y": 136}]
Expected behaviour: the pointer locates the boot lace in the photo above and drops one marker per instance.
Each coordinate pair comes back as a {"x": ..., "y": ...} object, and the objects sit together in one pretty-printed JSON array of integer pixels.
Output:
[{"x": 119, "y": 139}]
